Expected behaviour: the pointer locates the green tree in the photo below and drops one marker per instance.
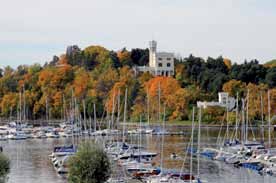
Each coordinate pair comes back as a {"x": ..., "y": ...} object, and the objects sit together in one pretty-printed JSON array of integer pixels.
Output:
[
  {"x": 4, "y": 167},
  {"x": 89, "y": 165},
  {"x": 270, "y": 77}
]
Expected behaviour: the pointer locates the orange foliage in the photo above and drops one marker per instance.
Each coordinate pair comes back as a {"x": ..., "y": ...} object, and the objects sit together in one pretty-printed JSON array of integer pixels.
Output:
[
  {"x": 57, "y": 99},
  {"x": 233, "y": 87},
  {"x": 123, "y": 56},
  {"x": 167, "y": 85},
  {"x": 171, "y": 94},
  {"x": 116, "y": 90},
  {"x": 63, "y": 60},
  {"x": 126, "y": 80},
  {"x": 227, "y": 62},
  {"x": 9, "y": 101},
  {"x": 80, "y": 84}
]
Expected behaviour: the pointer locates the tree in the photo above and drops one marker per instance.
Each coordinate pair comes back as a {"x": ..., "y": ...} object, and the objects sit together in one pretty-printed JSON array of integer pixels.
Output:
[
  {"x": 9, "y": 104},
  {"x": 126, "y": 80},
  {"x": 139, "y": 56},
  {"x": 4, "y": 167},
  {"x": 98, "y": 55},
  {"x": 228, "y": 63},
  {"x": 233, "y": 87},
  {"x": 193, "y": 67},
  {"x": 81, "y": 83},
  {"x": 214, "y": 114},
  {"x": 270, "y": 77},
  {"x": 124, "y": 57},
  {"x": 89, "y": 165},
  {"x": 248, "y": 72},
  {"x": 254, "y": 107},
  {"x": 172, "y": 95}
]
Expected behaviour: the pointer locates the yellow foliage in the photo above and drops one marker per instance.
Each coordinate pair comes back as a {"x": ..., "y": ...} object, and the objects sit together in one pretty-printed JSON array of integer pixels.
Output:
[
  {"x": 233, "y": 87},
  {"x": 227, "y": 62}
]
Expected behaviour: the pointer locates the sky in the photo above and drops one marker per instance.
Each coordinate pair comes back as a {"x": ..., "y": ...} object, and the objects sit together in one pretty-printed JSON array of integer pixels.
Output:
[{"x": 32, "y": 31}]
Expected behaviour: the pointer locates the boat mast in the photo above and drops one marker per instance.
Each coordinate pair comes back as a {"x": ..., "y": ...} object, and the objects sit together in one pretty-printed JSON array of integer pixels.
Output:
[
  {"x": 198, "y": 142},
  {"x": 237, "y": 115},
  {"x": 90, "y": 125},
  {"x": 243, "y": 124},
  {"x": 269, "y": 120},
  {"x": 24, "y": 104},
  {"x": 95, "y": 118},
  {"x": 159, "y": 102},
  {"x": 118, "y": 109},
  {"x": 84, "y": 114},
  {"x": 64, "y": 107},
  {"x": 227, "y": 119},
  {"x": 247, "y": 116},
  {"x": 20, "y": 106},
  {"x": 262, "y": 116},
  {"x": 148, "y": 100},
  {"x": 47, "y": 116},
  {"x": 125, "y": 113},
  {"x": 163, "y": 139},
  {"x": 113, "y": 111},
  {"x": 192, "y": 144}
]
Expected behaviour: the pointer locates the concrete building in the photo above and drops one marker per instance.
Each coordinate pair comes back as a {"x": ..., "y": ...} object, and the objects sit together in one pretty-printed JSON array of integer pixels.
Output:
[
  {"x": 160, "y": 63},
  {"x": 224, "y": 101}
]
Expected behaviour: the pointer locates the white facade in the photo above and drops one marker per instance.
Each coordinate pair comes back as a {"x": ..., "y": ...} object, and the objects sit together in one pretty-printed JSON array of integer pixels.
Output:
[
  {"x": 160, "y": 63},
  {"x": 224, "y": 101}
]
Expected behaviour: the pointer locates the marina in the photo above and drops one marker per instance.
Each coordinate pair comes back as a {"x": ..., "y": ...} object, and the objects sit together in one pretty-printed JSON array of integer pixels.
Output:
[{"x": 30, "y": 159}]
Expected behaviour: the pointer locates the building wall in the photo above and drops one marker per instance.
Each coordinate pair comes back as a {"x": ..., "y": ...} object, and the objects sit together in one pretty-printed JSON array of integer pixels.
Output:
[
  {"x": 160, "y": 63},
  {"x": 152, "y": 53},
  {"x": 224, "y": 101},
  {"x": 165, "y": 64}
]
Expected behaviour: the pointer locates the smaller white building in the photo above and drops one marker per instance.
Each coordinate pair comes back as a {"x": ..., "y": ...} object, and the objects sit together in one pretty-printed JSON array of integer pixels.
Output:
[
  {"x": 160, "y": 63},
  {"x": 224, "y": 101}
]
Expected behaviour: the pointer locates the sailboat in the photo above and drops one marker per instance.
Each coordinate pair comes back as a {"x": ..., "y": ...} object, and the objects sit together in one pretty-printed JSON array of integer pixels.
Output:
[{"x": 178, "y": 177}]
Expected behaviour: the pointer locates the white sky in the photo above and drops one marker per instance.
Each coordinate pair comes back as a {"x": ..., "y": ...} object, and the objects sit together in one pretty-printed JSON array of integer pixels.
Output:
[{"x": 35, "y": 30}]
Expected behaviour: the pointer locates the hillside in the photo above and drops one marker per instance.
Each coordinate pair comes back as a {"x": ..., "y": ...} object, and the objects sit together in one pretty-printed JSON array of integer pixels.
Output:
[
  {"x": 271, "y": 63},
  {"x": 79, "y": 78}
]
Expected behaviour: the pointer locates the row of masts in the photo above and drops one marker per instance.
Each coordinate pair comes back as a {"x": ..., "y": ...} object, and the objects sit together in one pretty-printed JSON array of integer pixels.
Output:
[{"x": 245, "y": 121}]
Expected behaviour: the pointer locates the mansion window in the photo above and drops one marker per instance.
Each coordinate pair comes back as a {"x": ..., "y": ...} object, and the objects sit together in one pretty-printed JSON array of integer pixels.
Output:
[
  {"x": 168, "y": 64},
  {"x": 168, "y": 58},
  {"x": 159, "y": 58},
  {"x": 159, "y": 64}
]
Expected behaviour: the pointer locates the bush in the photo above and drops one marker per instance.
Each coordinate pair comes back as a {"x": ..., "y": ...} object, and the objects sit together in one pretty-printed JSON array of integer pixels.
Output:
[
  {"x": 4, "y": 166},
  {"x": 89, "y": 165}
]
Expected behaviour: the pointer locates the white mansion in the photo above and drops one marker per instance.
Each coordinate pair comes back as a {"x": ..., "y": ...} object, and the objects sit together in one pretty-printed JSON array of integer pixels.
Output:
[
  {"x": 160, "y": 63},
  {"x": 224, "y": 101}
]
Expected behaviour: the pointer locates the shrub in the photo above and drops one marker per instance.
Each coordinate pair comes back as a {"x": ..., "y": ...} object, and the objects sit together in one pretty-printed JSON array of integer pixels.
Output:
[
  {"x": 89, "y": 165},
  {"x": 4, "y": 166}
]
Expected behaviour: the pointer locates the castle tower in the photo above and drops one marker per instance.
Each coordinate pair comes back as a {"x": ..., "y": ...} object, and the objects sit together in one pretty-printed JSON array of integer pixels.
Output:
[{"x": 152, "y": 53}]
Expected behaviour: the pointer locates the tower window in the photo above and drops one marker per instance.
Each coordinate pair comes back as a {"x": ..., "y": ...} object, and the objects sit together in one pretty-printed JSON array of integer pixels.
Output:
[
  {"x": 159, "y": 64},
  {"x": 168, "y": 64}
]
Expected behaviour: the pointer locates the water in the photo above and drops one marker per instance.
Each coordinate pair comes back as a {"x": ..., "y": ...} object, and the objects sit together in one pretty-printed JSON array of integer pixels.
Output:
[{"x": 30, "y": 162}]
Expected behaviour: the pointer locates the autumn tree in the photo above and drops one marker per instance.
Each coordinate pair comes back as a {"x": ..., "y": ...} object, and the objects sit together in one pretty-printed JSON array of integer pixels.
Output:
[
  {"x": 228, "y": 63},
  {"x": 124, "y": 57},
  {"x": 234, "y": 87},
  {"x": 171, "y": 95},
  {"x": 9, "y": 104}
]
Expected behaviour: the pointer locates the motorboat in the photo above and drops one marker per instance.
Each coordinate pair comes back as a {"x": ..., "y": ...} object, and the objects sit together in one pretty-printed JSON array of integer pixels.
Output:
[
  {"x": 52, "y": 134},
  {"x": 19, "y": 135},
  {"x": 173, "y": 178}
]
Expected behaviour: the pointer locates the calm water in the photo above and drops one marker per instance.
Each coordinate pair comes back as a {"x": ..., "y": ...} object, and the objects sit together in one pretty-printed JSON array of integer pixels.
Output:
[{"x": 30, "y": 162}]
